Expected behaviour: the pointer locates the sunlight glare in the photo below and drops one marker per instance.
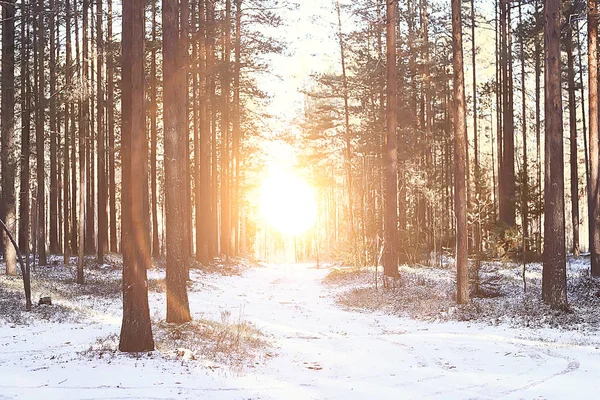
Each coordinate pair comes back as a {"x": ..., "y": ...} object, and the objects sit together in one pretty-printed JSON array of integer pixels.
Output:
[{"x": 287, "y": 203}]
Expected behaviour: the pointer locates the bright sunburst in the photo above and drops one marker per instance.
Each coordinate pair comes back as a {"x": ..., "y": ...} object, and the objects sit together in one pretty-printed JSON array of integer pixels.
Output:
[{"x": 287, "y": 203}]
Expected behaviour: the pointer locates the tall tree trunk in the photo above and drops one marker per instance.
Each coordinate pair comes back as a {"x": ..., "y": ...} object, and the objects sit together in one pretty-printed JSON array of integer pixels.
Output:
[
  {"x": 154, "y": 134},
  {"x": 184, "y": 17},
  {"x": 203, "y": 214},
  {"x": 110, "y": 116},
  {"x": 554, "y": 274},
  {"x": 195, "y": 99},
  {"x": 53, "y": 234},
  {"x": 67, "y": 249},
  {"x": 573, "y": 140},
  {"x": 538, "y": 112},
  {"x": 583, "y": 120},
  {"x": 524, "y": 119},
  {"x": 89, "y": 242},
  {"x": 175, "y": 158},
  {"x": 236, "y": 129},
  {"x": 25, "y": 133},
  {"x": 477, "y": 228},
  {"x": 225, "y": 92},
  {"x": 136, "y": 329},
  {"x": 460, "y": 159},
  {"x": 75, "y": 116},
  {"x": 390, "y": 254},
  {"x": 102, "y": 214},
  {"x": 39, "y": 141},
  {"x": 347, "y": 133},
  {"x": 507, "y": 177},
  {"x": 82, "y": 125},
  {"x": 8, "y": 206},
  {"x": 594, "y": 202},
  {"x": 211, "y": 99}
]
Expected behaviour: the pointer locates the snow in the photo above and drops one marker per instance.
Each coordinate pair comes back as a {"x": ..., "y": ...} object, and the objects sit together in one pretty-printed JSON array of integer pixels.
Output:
[{"x": 321, "y": 351}]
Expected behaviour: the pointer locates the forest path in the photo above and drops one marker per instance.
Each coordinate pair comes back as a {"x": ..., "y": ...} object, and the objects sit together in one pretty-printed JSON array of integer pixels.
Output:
[
  {"x": 320, "y": 351},
  {"x": 326, "y": 352}
]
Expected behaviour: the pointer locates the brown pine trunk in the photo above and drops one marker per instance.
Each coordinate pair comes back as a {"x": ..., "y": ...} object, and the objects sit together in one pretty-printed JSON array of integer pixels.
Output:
[
  {"x": 390, "y": 254},
  {"x": 524, "y": 119},
  {"x": 39, "y": 141},
  {"x": 203, "y": 216},
  {"x": 102, "y": 214},
  {"x": 136, "y": 329},
  {"x": 347, "y": 133},
  {"x": 477, "y": 228},
  {"x": 211, "y": 99},
  {"x": 110, "y": 119},
  {"x": 53, "y": 233},
  {"x": 184, "y": 16},
  {"x": 82, "y": 125},
  {"x": 236, "y": 129},
  {"x": 195, "y": 95},
  {"x": 225, "y": 93},
  {"x": 460, "y": 159},
  {"x": 176, "y": 144},
  {"x": 8, "y": 206},
  {"x": 554, "y": 274},
  {"x": 594, "y": 202},
  {"x": 154, "y": 134},
  {"x": 25, "y": 135},
  {"x": 538, "y": 113},
  {"x": 90, "y": 245},
  {"x": 67, "y": 249},
  {"x": 583, "y": 120},
  {"x": 75, "y": 116},
  {"x": 507, "y": 175},
  {"x": 573, "y": 140}
]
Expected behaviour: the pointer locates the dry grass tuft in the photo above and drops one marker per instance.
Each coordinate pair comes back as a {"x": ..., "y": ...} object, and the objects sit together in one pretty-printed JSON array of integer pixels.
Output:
[
  {"x": 429, "y": 294},
  {"x": 236, "y": 344}
]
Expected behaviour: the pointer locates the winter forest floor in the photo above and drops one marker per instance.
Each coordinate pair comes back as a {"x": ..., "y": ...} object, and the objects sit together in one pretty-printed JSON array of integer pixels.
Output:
[{"x": 301, "y": 332}]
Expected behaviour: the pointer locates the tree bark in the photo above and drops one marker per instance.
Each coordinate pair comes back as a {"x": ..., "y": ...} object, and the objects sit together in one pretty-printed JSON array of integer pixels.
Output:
[
  {"x": 594, "y": 203},
  {"x": 524, "y": 119},
  {"x": 8, "y": 206},
  {"x": 347, "y": 133},
  {"x": 460, "y": 159},
  {"x": 236, "y": 130},
  {"x": 25, "y": 133},
  {"x": 101, "y": 192},
  {"x": 203, "y": 216},
  {"x": 573, "y": 140},
  {"x": 54, "y": 172},
  {"x": 176, "y": 142},
  {"x": 225, "y": 182},
  {"x": 390, "y": 254},
  {"x": 507, "y": 171},
  {"x": 154, "y": 133},
  {"x": 39, "y": 141},
  {"x": 82, "y": 125},
  {"x": 67, "y": 248},
  {"x": 110, "y": 117},
  {"x": 554, "y": 275},
  {"x": 136, "y": 329}
]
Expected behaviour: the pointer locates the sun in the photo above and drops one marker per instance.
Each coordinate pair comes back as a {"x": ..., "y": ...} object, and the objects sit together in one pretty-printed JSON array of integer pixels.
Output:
[{"x": 287, "y": 203}]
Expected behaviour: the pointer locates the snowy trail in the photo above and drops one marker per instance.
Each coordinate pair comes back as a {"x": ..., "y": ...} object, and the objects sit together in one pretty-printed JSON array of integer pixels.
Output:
[
  {"x": 322, "y": 352},
  {"x": 328, "y": 353}
]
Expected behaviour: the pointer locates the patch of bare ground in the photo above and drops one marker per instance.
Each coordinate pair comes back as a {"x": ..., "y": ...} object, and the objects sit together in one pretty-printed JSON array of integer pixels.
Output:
[{"x": 429, "y": 294}]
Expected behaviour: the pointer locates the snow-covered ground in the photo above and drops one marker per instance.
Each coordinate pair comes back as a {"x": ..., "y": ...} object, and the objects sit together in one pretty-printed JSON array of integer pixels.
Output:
[{"x": 320, "y": 352}]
